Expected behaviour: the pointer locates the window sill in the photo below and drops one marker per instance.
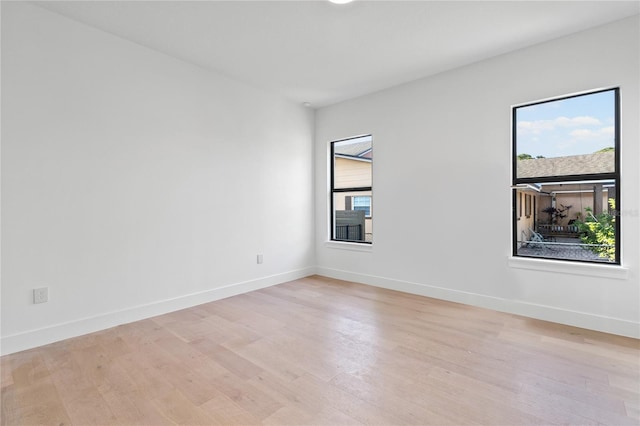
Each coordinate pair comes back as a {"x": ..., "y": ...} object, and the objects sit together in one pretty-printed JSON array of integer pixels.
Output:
[
  {"x": 574, "y": 268},
  {"x": 343, "y": 245}
]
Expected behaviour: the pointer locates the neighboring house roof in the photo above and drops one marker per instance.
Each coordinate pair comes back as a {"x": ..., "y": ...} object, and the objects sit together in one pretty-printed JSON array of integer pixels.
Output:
[
  {"x": 599, "y": 162},
  {"x": 358, "y": 149}
]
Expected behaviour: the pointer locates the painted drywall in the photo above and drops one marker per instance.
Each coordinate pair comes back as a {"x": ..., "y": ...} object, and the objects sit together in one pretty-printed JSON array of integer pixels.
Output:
[
  {"x": 134, "y": 184},
  {"x": 441, "y": 183}
]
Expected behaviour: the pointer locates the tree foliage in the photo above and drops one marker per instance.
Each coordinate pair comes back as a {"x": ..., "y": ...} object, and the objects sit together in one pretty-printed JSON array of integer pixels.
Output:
[
  {"x": 607, "y": 149},
  {"x": 525, "y": 156},
  {"x": 555, "y": 214},
  {"x": 600, "y": 231}
]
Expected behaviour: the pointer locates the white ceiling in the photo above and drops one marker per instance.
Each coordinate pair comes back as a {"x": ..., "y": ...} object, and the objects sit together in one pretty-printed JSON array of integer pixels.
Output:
[{"x": 322, "y": 53}]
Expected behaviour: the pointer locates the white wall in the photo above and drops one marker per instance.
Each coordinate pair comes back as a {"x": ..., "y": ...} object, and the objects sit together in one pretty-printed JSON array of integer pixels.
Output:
[
  {"x": 442, "y": 155},
  {"x": 135, "y": 184}
]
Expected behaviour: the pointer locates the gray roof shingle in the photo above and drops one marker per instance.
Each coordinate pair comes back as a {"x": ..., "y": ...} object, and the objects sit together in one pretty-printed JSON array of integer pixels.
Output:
[{"x": 599, "y": 162}]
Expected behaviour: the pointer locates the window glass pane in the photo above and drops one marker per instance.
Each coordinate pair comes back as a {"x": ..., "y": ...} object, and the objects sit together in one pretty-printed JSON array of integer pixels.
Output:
[
  {"x": 572, "y": 136},
  {"x": 352, "y": 223},
  {"x": 352, "y": 163},
  {"x": 571, "y": 221}
]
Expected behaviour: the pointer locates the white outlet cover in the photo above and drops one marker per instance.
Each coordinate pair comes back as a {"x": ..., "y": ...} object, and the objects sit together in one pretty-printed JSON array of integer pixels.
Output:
[{"x": 41, "y": 295}]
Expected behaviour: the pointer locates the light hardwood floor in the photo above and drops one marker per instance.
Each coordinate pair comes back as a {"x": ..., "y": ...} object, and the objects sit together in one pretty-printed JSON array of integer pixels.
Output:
[{"x": 327, "y": 352}]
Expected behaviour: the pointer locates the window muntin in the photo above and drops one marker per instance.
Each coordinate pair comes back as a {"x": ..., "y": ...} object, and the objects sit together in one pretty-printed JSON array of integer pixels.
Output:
[
  {"x": 351, "y": 190},
  {"x": 566, "y": 173}
]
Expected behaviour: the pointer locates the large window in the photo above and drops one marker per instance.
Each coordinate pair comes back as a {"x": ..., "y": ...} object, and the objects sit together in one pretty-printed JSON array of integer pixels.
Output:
[
  {"x": 351, "y": 190},
  {"x": 566, "y": 178}
]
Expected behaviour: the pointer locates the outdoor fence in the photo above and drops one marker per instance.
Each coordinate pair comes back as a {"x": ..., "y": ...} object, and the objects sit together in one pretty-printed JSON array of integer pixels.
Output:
[{"x": 349, "y": 232}]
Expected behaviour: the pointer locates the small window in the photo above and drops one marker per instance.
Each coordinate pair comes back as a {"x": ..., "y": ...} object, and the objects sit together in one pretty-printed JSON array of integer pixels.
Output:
[
  {"x": 351, "y": 190},
  {"x": 566, "y": 166},
  {"x": 363, "y": 203}
]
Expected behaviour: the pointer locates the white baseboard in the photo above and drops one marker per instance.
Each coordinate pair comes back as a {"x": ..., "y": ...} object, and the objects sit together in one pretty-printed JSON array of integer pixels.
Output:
[
  {"x": 546, "y": 313},
  {"x": 42, "y": 336},
  {"x": 34, "y": 338}
]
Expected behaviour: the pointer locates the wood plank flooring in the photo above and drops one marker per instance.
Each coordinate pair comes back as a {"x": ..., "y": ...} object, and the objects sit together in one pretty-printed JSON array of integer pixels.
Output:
[{"x": 327, "y": 352}]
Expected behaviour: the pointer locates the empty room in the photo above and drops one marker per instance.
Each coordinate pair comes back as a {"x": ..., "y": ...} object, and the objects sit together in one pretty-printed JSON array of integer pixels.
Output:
[{"x": 194, "y": 230}]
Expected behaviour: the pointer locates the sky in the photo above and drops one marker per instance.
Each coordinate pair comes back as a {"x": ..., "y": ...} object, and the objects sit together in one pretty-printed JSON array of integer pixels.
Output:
[{"x": 573, "y": 126}]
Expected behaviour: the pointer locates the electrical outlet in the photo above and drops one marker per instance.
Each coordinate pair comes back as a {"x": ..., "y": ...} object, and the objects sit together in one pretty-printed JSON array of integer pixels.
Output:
[
  {"x": 259, "y": 259},
  {"x": 41, "y": 295}
]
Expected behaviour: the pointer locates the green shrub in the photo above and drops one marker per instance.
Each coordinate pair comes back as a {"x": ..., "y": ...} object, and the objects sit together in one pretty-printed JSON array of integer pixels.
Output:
[{"x": 600, "y": 231}]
